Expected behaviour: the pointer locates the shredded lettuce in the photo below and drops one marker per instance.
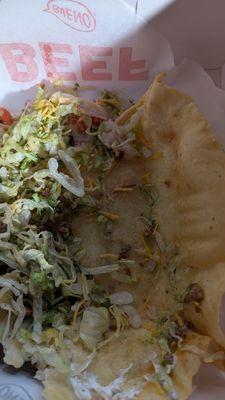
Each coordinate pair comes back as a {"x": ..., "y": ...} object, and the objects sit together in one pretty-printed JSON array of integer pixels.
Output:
[
  {"x": 74, "y": 185},
  {"x": 54, "y": 311}
]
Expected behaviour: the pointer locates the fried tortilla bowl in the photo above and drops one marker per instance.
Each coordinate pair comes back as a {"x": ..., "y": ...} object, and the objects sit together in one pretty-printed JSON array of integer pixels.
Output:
[
  {"x": 112, "y": 244},
  {"x": 186, "y": 171}
]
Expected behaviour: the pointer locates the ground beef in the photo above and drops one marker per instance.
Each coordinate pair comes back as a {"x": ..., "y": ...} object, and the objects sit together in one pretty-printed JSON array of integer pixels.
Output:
[
  {"x": 125, "y": 251},
  {"x": 3, "y": 227},
  {"x": 195, "y": 294}
]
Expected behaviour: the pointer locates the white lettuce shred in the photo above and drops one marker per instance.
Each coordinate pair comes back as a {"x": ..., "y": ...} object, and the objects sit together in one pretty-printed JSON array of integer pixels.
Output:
[
  {"x": 6, "y": 218},
  {"x": 38, "y": 256},
  {"x": 134, "y": 316},
  {"x": 94, "y": 323},
  {"x": 121, "y": 298},
  {"x": 103, "y": 269},
  {"x": 75, "y": 184},
  {"x": 13, "y": 354},
  {"x": 37, "y": 318},
  {"x": 14, "y": 315}
]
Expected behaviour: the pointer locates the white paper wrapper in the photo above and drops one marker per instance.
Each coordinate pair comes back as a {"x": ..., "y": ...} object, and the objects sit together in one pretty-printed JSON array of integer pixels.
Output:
[
  {"x": 18, "y": 386},
  {"x": 191, "y": 78},
  {"x": 209, "y": 384},
  {"x": 100, "y": 43}
]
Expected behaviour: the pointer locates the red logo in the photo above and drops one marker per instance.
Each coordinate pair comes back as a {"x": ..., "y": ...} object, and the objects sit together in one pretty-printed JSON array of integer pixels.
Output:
[{"x": 72, "y": 13}]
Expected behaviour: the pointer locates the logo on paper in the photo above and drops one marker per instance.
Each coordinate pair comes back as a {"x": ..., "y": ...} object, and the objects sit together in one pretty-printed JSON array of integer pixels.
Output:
[
  {"x": 13, "y": 392},
  {"x": 72, "y": 13}
]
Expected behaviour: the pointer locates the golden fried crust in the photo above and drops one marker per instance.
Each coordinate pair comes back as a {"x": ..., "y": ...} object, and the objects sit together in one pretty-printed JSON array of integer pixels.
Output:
[
  {"x": 189, "y": 176},
  {"x": 130, "y": 347},
  {"x": 190, "y": 179}
]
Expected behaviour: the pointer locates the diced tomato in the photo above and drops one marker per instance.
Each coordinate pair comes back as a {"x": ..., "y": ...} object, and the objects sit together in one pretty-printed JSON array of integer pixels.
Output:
[
  {"x": 96, "y": 121},
  {"x": 73, "y": 120},
  {"x": 5, "y": 117},
  {"x": 81, "y": 125}
]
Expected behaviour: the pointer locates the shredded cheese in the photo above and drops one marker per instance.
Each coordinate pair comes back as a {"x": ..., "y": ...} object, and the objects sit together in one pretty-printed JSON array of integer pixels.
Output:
[
  {"x": 123, "y": 189},
  {"x": 90, "y": 183},
  {"x": 144, "y": 141},
  {"x": 85, "y": 287},
  {"x": 146, "y": 303},
  {"x": 112, "y": 102},
  {"x": 147, "y": 247},
  {"x": 111, "y": 216},
  {"x": 146, "y": 177},
  {"x": 109, "y": 255},
  {"x": 77, "y": 310},
  {"x": 156, "y": 155}
]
